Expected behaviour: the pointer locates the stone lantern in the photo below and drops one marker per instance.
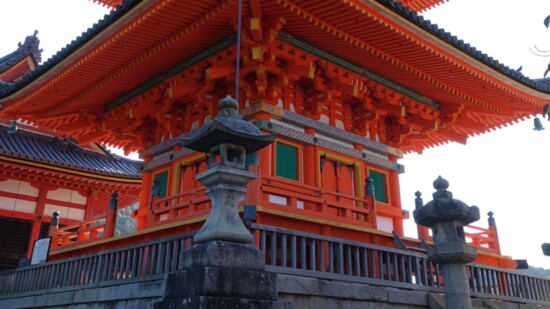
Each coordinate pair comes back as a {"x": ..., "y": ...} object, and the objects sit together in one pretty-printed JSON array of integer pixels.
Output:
[
  {"x": 223, "y": 269},
  {"x": 226, "y": 140},
  {"x": 447, "y": 217}
]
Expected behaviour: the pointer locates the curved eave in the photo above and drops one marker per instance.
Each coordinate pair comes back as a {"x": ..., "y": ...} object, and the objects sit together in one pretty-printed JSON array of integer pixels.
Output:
[
  {"x": 144, "y": 42},
  {"x": 134, "y": 179},
  {"x": 392, "y": 42},
  {"x": 153, "y": 36},
  {"x": 82, "y": 50},
  {"x": 365, "y": 32}
]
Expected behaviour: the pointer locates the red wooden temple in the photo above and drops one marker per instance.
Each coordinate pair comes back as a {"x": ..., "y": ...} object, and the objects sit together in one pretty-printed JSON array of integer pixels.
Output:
[
  {"x": 349, "y": 86},
  {"x": 42, "y": 171}
]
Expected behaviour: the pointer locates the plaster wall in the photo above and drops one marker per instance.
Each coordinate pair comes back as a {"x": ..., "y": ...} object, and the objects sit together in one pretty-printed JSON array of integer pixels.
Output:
[
  {"x": 69, "y": 196},
  {"x": 18, "y": 187},
  {"x": 16, "y": 204}
]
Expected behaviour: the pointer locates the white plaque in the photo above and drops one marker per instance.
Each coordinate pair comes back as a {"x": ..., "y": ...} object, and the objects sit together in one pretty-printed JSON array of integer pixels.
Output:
[{"x": 41, "y": 250}]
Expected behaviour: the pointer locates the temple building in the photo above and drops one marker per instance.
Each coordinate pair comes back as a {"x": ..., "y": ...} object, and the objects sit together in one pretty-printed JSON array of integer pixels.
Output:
[
  {"x": 43, "y": 172},
  {"x": 349, "y": 87}
]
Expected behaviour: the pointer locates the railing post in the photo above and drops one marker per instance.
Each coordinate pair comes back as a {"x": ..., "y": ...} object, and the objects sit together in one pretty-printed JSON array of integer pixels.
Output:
[
  {"x": 493, "y": 228},
  {"x": 423, "y": 231},
  {"x": 54, "y": 224},
  {"x": 110, "y": 221}
]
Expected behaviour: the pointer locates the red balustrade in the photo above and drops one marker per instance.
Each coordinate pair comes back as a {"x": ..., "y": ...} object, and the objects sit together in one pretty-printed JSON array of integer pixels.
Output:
[
  {"x": 85, "y": 231},
  {"x": 188, "y": 204},
  {"x": 316, "y": 202}
]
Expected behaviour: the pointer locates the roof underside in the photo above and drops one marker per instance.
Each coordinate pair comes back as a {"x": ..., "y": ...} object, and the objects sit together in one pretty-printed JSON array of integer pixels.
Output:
[{"x": 142, "y": 41}]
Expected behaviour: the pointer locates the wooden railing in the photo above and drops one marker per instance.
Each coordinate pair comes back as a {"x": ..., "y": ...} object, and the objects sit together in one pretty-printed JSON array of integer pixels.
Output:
[
  {"x": 482, "y": 238},
  {"x": 84, "y": 231},
  {"x": 145, "y": 260},
  {"x": 286, "y": 252},
  {"x": 305, "y": 254},
  {"x": 190, "y": 204},
  {"x": 317, "y": 202}
]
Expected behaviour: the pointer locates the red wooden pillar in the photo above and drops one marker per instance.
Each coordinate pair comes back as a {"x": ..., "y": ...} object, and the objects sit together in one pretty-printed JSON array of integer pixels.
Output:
[
  {"x": 264, "y": 160},
  {"x": 311, "y": 170},
  {"x": 89, "y": 212},
  {"x": 38, "y": 212},
  {"x": 395, "y": 198},
  {"x": 143, "y": 212},
  {"x": 110, "y": 221}
]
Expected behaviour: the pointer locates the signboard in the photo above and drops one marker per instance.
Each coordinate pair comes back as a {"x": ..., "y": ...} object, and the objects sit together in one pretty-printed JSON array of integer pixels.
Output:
[{"x": 41, "y": 250}]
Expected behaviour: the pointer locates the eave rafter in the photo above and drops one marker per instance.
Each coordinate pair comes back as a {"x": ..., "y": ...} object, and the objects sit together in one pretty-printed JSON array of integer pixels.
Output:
[
  {"x": 59, "y": 178},
  {"x": 355, "y": 41},
  {"x": 97, "y": 128}
]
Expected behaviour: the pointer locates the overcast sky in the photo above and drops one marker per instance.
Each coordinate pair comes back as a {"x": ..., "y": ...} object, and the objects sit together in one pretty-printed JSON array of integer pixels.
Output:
[{"x": 505, "y": 171}]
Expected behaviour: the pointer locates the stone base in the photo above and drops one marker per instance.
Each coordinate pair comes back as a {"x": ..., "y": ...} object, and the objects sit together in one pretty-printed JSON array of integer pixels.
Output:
[
  {"x": 221, "y": 303},
  {"x": 221, "y": 274},
  {"x": 223, "y": 254}
]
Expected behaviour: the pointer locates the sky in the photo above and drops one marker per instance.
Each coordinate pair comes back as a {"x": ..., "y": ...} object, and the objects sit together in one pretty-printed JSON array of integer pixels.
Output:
[{"x": 504, "y": 171}]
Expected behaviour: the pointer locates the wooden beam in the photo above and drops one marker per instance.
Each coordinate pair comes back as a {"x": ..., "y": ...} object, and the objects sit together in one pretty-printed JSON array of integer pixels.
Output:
[
  {"x": 452, "y": 135},
  {"x": 255, "y": 24},
  {"x": 79, "y": 125},
  {"x": 93, "y": 137},
  {"x": 182, "y": 88},
  {"x": 256, "y": 8}
]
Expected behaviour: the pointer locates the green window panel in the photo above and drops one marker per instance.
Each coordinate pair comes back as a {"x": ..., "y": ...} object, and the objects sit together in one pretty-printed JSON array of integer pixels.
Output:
[
  {"x": 287, "y": 161},
  {"x": 162, "y": 179},
  {"x": 380, "y": 186}
]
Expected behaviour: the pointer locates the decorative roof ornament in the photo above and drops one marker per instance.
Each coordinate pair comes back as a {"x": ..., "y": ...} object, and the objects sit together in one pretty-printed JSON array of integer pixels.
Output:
[
  {"x": 538, "y": 124},
  {"x": 30, "y": 46},
  {"x": 13, "y": 127}
]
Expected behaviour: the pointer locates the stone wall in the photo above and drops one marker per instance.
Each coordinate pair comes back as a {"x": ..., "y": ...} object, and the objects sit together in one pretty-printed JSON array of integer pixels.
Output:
[
  {"x": 302, "y": 292},
  {"x": 132, "y": 295},
  {"x": 312, "y": 293}
]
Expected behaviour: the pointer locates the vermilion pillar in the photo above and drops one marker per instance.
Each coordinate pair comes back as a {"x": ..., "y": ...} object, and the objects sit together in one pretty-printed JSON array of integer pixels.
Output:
[
  {"x": 143, "y": 212},
  {"x": 39, "y": 212},
  {"x": 310, "y": 164},
  {"x": 395, "y": 198}
]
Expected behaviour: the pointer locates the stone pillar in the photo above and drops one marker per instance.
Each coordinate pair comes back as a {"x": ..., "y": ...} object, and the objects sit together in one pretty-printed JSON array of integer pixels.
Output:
[
  {"x": 223, "y": 269},
  {"x": 446, "y": 217}
]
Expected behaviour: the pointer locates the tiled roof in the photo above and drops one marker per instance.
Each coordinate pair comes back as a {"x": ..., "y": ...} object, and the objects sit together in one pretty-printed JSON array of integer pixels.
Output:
[
  {"x": 466, "y": 48},
  {"x": 397, "y": 7},
  {"x": 74, "y": 45},
  {"x": 55, "y": 151},
  {"x": 28, "y": 47}
]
